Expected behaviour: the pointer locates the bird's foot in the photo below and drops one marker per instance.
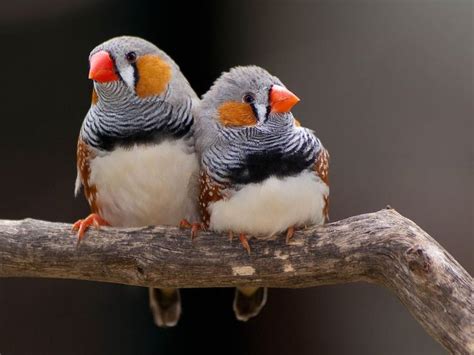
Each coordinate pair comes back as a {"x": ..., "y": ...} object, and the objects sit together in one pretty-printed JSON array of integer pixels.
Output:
[
  {"x": 244, "y": 241},
  {"x": 83, "y": 224},
  {"x": 195, "y": 227},
  {"x": 289, "y": 234}
]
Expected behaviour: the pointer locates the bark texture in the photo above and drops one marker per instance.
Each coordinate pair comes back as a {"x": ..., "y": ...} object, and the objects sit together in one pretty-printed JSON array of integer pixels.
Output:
[{"x": 384, "y": 248}]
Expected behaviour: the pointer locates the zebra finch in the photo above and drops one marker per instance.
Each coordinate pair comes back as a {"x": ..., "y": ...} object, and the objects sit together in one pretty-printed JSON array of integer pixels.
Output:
[
  {"x": 135, "y": 154},
  {"x": 261, "y": 172}
]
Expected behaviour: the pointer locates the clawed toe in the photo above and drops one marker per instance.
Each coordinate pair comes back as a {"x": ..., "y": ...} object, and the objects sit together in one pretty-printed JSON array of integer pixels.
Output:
[
  {"x": 289, "y": 234},
  {"x": 244, "y": 241},
  {"x": 82, "y": 225},
  {"x": 195, "y": 227}
]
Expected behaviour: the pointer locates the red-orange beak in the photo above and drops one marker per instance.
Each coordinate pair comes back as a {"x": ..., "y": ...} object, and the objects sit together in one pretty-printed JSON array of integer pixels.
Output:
[
  {"x": 102, "y": 68},
  {"x": 282, "y": 99}
]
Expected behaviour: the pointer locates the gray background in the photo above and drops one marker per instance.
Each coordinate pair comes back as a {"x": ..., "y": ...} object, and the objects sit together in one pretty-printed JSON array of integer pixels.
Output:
[{"x": 386, "y": 85}]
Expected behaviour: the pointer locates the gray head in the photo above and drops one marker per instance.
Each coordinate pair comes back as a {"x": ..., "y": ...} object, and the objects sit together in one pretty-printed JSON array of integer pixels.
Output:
[
  {"x": 243, "y": 99},
  {"x": 138, "y": 66},
  {"x": 140, "y": 96},
  {"x": 246, "y": 96}
]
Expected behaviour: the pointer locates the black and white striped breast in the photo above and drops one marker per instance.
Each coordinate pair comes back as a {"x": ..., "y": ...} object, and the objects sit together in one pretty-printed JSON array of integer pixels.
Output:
[
  {"x": 260, "y": 155},
  {"x": 119, "y": 119}
]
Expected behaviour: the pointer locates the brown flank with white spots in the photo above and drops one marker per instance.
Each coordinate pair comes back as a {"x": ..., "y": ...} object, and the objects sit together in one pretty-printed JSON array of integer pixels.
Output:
[
  {"x": 84, "y": 156},
  {"x": 209, "y": 192},
  {"x": 321, "y": 167}
]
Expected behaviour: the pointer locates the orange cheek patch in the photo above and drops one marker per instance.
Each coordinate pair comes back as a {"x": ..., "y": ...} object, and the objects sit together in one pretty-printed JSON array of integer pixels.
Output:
[
  {"x": 154, "y": 74},
  {"x": 236, "y": 114},
  {"x": 95, "y": 97}
]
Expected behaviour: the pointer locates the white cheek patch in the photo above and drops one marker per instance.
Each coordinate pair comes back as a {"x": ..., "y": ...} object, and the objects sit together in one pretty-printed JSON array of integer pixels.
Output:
[
  {"x": 261, "y": 111},
  {"x": 128, "y": 75}
]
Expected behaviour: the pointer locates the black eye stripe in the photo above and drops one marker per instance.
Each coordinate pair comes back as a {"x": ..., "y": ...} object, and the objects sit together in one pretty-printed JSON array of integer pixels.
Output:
[
  {"x": 115, "y": 66},
  {"x": 269, "y": 108},
  {"x": 136, "y": 75},
  {"x": 255, "y": 113}
]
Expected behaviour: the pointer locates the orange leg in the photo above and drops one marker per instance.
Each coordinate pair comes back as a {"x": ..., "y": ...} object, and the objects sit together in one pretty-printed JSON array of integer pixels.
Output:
[
  {"x": 195, "y": 227},
  {"x": 289, "y": 234},
  {"x": 91, "y": 220},
  {"x": 245, "y": 243}
]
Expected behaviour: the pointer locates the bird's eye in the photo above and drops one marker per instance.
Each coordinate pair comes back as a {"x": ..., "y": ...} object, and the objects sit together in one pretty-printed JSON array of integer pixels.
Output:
[
  {"x": 249, "y": 98},
  {"x": 131, "y": 57}
]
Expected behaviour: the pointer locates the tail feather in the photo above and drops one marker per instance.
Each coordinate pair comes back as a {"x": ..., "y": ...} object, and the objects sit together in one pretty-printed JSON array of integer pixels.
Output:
[
  {"x": 249, "y": 301},
  {"x": 165, "y": 304}
]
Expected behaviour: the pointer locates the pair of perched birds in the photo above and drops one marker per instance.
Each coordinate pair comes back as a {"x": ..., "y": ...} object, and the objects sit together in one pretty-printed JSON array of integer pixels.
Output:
[{"x": 237, "y": 161}]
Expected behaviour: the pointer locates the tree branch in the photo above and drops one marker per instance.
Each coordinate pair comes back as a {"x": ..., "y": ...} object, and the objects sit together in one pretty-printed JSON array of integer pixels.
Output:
[{"x": 383, "y": 248}]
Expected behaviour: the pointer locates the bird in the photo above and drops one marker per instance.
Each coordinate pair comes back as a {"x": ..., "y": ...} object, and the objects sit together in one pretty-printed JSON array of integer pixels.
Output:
[
  {"x": 135, "y": 153},
  {"x": 261, "y": 172}
]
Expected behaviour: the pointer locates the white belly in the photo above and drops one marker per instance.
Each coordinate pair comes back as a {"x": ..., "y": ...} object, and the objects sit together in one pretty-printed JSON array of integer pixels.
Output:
[
  {"x": 272, "y": 206},
  {"x": 146, "y": 184}
]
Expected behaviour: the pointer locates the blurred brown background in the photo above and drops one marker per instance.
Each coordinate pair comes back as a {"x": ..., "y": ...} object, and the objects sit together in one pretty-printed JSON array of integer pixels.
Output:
[{"x": 387, "y": 86}]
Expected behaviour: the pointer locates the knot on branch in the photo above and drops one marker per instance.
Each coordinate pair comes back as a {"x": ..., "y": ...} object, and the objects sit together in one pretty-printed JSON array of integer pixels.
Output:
[{"x": 419, "y": 262}]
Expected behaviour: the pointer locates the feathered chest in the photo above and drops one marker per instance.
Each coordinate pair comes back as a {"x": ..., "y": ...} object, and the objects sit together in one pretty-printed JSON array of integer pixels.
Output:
[
  {"x": 258, "y": 166},
  {"x": 130, "y": 122},
  {"x": 257, "y": 160},
  {"x": 141, "y": 185}
]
